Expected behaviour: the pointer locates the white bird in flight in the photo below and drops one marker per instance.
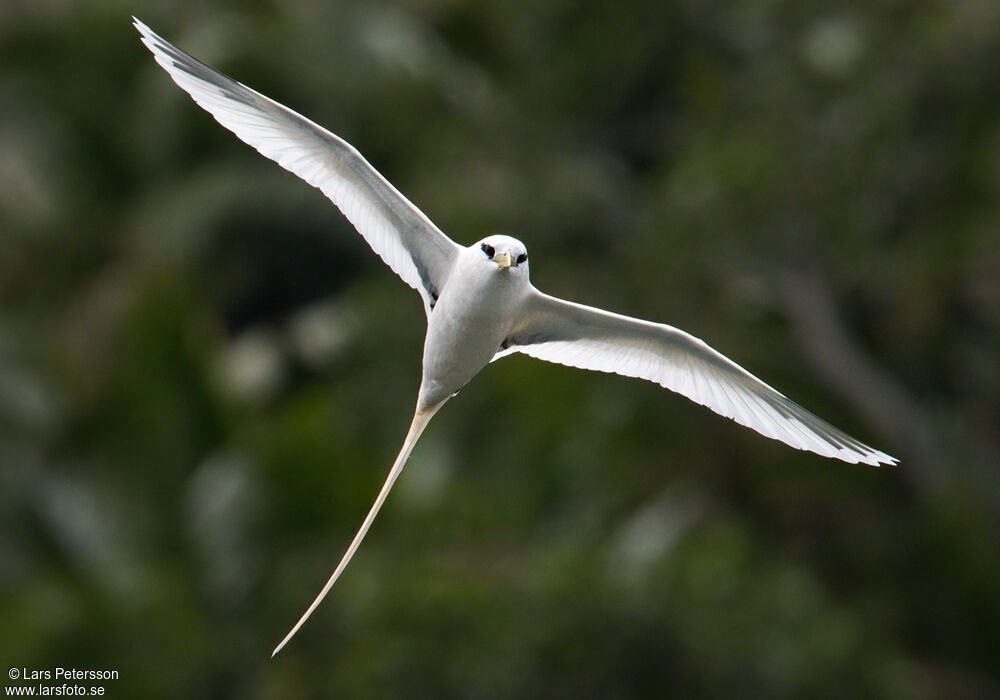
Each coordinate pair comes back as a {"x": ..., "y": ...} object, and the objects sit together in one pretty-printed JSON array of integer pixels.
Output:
[{"x": 479, "y": 302}]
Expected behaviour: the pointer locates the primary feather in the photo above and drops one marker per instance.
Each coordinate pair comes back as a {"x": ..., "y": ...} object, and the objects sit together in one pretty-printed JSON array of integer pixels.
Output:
[
  {"x": 581, "y": 336},
  {"x": 397, "y": 231}
]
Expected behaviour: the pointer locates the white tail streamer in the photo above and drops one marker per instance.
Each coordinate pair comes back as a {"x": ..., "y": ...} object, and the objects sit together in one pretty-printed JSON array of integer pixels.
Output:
[{"x": 420, "y": 420}]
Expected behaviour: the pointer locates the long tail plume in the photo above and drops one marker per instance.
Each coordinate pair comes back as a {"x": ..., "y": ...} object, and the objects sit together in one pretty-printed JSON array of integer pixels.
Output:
[{"x": 420, "y": 421}]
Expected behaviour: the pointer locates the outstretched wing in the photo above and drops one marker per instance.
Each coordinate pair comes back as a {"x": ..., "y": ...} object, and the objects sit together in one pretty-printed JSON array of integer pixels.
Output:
[
  {"x": 397, "y": 231},
  {"x": 581, "y": 336}
]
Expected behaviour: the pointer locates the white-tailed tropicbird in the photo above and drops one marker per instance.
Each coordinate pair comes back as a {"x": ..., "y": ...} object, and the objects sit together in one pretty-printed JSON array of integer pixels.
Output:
[{"x": 479, "y": 303}]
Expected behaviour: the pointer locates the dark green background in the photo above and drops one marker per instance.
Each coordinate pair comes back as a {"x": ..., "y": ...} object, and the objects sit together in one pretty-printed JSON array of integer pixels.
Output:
[{"x": 205, "y": 373}]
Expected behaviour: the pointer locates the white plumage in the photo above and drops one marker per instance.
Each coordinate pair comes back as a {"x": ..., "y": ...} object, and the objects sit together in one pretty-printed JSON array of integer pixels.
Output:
[{"x": 479, "y": 301}]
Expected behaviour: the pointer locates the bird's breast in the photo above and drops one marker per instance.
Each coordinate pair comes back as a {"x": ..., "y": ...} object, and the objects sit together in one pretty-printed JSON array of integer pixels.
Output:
[{"x": 473, "y": 315}]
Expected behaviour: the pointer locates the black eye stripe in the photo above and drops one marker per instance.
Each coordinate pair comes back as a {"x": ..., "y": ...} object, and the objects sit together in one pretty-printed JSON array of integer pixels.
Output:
[{"x": 488, "y": 249}]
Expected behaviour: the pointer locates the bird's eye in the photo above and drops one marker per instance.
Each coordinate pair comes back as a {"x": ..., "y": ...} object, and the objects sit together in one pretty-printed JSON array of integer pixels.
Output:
[
  {"x": 488, "y": 249},
  {"x": 522, "y": 258}
]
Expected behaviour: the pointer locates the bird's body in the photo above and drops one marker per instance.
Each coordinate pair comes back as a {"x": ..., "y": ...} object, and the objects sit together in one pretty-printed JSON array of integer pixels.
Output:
[
  {"x": 479, "y": 301},
  {"x": 471, "y": 319}
]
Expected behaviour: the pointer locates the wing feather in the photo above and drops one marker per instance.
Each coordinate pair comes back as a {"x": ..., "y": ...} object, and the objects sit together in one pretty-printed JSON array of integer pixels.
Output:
[
  {"x": 399, "y": 233},
  {"x": 581, "y": 336}
]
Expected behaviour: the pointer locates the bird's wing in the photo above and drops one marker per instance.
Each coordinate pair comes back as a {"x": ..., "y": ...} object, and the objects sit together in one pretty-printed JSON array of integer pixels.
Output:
[
  {"x": 397, "y": 231},
  {"x": 581, "y": 336}
]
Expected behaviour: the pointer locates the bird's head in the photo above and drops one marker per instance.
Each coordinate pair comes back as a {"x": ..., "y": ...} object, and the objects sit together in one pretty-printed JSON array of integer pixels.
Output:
[{"x": 507, "y": 253}]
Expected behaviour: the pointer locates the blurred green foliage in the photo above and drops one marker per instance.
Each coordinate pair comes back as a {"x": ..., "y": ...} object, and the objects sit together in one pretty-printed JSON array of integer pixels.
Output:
[{"x": 204, "y": 373}]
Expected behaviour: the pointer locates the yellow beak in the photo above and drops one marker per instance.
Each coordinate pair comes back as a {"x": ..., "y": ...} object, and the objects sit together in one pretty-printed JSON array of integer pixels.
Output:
[{"x": 503, "y": 260}]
